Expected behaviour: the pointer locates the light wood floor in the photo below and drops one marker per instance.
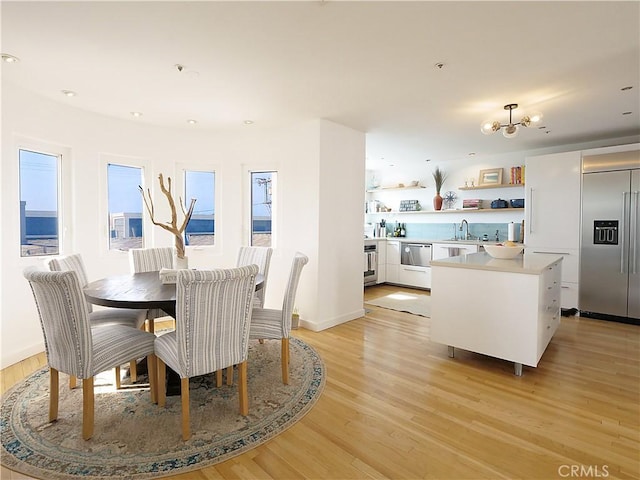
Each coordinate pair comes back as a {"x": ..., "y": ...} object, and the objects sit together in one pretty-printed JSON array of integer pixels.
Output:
[{"x": 395, "y": 406}]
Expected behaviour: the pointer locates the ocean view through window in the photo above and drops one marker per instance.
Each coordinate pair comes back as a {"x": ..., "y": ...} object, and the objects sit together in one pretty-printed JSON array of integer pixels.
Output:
[
  {"x": 201, "y": 228},
  {"x": 125, "y": 207},
  {"x": 39, "y": 203}
]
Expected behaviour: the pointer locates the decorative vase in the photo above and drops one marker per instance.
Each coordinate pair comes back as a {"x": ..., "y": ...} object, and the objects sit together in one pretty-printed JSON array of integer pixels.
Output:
[
  {"x": 180, "y": 263},
  {"x": 437, "y": 202}
]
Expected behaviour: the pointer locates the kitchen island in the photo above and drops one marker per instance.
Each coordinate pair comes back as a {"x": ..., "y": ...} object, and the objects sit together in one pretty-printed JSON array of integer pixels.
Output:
[{"x": 508, "y": 309}]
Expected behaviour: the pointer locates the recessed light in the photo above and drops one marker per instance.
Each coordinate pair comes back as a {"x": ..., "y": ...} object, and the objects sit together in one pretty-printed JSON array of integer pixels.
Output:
[
  {"x": 471, "y": 154},
  {"x": 626, "y": 88},
  {"x": 627, "y": 113},
  {"x": 248, "y": 122},
  {"x": 192, "y": 122},
  {"x": 136, "y": 114},
  {"x": 68, "y": 93},
  {"x": 9, "y": 58}
]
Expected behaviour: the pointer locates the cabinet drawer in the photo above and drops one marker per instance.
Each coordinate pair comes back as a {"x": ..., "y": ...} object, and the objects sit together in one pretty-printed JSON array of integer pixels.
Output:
[
  {"x": 569, "y": 261},
  {"x": 569, "y": 295},
  {"x": 414, "y": 276}
]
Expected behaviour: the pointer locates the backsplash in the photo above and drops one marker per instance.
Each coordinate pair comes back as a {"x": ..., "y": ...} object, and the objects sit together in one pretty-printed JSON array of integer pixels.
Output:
[{"x": 445, "y": 231}]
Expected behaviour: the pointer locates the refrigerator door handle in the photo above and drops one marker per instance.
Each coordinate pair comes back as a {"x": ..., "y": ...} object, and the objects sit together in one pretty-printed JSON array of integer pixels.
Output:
[
  {"x": 530, "y": 202},
  {"x": 635, "y": 235},
  {"x": 622, "y": 234}
]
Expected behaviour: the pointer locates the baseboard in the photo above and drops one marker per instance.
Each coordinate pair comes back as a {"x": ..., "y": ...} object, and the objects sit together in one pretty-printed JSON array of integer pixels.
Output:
[
  {"x": 23, "y": 354},
  {"x": 319, "y": 326}
]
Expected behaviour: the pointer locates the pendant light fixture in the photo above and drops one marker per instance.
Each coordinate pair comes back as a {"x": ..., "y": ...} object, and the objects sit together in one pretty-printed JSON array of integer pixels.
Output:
[{"x": 510, "y": 129}]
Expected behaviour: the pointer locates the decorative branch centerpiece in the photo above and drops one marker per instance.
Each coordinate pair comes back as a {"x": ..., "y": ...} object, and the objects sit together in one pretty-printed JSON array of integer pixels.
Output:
[
  {"x": 171, "y": 226},
  {"x": 438, "y": 177}
]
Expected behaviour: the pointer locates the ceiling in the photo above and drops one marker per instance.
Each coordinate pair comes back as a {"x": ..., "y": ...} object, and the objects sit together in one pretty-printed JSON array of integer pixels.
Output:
[{"x": 369, "y": 65}]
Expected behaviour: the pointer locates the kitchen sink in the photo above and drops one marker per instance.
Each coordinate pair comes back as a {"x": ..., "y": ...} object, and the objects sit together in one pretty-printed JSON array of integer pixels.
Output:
[{"x": 473, "y": 241}]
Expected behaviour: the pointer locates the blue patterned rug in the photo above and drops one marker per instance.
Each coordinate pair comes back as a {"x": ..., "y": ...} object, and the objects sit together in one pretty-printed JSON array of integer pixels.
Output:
[{"x": 136, "y": 439}]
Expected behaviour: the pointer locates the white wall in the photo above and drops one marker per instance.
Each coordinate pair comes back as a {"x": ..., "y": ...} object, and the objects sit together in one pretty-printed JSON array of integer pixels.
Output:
[{"x": 303, "y": 154}]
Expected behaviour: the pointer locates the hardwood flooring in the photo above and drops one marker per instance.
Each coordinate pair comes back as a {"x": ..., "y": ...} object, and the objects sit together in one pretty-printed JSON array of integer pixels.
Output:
[{"x": 395, "y": 406}]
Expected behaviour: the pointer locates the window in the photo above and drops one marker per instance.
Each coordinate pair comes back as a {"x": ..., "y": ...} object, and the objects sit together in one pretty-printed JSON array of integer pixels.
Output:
[
  {"x": 201, "y": 227},
  {"x": 262, "y": 191},
  {"x": 39, "y": 203},
  {"x": 125, "y": 207}
]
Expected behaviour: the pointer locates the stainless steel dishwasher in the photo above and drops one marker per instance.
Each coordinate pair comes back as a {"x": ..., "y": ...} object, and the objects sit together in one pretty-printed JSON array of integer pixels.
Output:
[{"x": 416, "y": 254}]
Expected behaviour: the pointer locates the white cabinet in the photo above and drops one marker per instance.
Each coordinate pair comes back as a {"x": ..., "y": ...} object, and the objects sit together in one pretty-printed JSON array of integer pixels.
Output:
[
  {"x": 552, "y": 202},
  {"x": 503, "y": 312},
  {"x": 382, "y": 261},
  {"x": 446, "y": 250},
  {"x": 552, "y": 214},
  {"x": 414, "y": 276},
  {"x": 393, "y": 261}
]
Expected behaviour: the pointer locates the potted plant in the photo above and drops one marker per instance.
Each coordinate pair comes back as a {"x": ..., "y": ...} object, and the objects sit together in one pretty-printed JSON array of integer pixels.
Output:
[
  {"x": 180, "y": 260},
  {"x": 438, "y": 177}
]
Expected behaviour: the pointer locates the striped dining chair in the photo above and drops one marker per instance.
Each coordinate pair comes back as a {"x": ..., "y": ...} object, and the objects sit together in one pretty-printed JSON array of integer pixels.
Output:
[
  {"x": 151, "y": 260},
  {"x": 213, "y": 314},
  {"x": 272, "y": 324},
  {"x": 73, "y": 346},
  {"x": 260, "y": 256},
  {"x": 129, "y": 317}
]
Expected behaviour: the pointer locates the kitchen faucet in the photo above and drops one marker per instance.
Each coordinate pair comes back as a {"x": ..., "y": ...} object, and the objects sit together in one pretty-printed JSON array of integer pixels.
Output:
[{"x": 466, "y": 235}]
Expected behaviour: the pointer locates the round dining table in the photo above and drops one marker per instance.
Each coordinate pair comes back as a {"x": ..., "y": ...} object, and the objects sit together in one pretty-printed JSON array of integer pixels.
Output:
[
  {"x": 144, "y": 291},
  {"x": 138, "y": 290}
]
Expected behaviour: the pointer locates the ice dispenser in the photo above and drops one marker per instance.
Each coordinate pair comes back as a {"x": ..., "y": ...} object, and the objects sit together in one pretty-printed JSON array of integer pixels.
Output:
[{"x": 605, "y": 232}]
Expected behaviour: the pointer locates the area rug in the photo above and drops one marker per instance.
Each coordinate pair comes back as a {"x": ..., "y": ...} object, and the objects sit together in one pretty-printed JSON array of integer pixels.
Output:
[
  {"x": 416, "y": 303},
  {"x": 136, "y": 439}
]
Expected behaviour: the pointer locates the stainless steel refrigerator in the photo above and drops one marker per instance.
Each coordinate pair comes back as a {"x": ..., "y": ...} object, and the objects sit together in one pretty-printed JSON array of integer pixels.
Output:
[{"x": 609, "y": 250}]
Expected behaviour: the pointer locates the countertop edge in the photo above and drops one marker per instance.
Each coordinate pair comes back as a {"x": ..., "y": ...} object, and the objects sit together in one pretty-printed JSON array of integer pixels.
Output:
[{"x": 528, "y": 263}]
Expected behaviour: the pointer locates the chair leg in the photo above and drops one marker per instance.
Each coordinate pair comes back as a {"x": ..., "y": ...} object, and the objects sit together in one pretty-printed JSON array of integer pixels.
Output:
[
  {"x": 184, "y": 393},
  {"x": 133, "y": 371},
  {"x": 54, "y": 393},
  {"x": 87, "y": 408},
  {"x": 261, "y": 340},
  {"x": 162, "y": 380},
  {"x": 118, "y": 381},
  {"x": 72, "y": 382},
  {"x": 152, "y": 366},
  {"x": 151, "y": 326},
  {"x": 285, "y": 360},
  {"x": 242, "y": 389},
  {"x": 218, "y": 378},
  {"x": 230, "y": 375}
]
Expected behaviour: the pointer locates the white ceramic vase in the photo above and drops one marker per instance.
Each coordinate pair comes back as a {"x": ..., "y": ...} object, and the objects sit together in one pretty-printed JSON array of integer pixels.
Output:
[{"x": 180, "y": 263}]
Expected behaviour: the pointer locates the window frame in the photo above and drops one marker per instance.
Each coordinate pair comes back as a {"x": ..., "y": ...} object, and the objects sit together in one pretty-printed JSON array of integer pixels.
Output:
[
  {"x": 64, "y": 185},
  {"x": 248, "y": 197},
  {"x": 195, "y": 166},
  {"x": 148, "y": 237}
]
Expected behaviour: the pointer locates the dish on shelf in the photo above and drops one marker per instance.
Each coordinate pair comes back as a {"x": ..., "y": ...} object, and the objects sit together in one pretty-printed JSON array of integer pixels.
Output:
[{"x": 504, "y": 251}]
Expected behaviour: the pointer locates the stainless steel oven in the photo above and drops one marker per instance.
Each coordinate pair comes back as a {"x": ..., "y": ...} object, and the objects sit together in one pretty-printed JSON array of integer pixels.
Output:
[{"x": 370, "y": 263}]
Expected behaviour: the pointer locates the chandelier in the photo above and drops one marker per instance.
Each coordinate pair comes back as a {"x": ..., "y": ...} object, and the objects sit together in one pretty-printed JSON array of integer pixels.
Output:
[{"x": 510, "y": 129}]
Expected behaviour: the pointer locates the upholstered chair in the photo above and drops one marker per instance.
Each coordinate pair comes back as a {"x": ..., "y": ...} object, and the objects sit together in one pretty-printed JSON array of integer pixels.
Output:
[
  {"x": 260, "y": 256},
  {"x": 213, "y": 313},
  {"x": 73, "y": 346},
  {"x": 272, "y": 324},
  {"x": 151, "y": 260},
  {"x": 104, "y": 316}
]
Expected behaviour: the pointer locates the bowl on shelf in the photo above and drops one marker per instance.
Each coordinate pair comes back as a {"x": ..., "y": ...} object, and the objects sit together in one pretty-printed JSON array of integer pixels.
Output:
[{"x": 504, "y": 251}]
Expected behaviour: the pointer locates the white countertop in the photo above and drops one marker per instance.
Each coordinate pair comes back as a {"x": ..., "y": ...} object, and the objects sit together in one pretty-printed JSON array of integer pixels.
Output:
[
  {"x": 530, "y": 263},
  {"x": 430, "y": 240}
]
